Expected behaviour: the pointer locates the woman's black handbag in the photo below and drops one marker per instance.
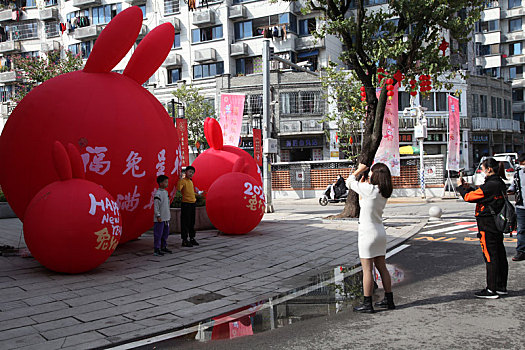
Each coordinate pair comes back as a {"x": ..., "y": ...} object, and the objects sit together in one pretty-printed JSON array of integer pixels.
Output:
[{"x": 506, "y": 220}]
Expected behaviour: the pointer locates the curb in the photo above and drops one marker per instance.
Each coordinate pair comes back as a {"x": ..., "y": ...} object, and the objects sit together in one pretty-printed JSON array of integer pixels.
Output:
[{"x": 263, "y": 303}]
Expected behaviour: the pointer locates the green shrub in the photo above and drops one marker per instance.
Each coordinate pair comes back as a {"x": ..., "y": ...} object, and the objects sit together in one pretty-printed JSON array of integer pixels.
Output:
[
  {"x": 177, "y": 201},
  {"x": 2, "y": 197}
]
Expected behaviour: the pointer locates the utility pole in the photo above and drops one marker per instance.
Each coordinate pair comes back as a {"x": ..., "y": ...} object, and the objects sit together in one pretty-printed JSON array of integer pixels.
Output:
[{"x": 266, "y": 127}]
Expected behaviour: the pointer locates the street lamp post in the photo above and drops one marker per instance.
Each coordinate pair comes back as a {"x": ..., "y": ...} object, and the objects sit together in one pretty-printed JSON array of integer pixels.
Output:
[{"x": 266, "y": 125}]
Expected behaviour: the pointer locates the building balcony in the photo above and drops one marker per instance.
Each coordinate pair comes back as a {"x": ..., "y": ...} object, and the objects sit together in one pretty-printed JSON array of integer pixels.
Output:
[
  {"x": 285, "y": 45},
  {"x": 206, "y": 55},
  {"x": 204, "y": 18},
  {"x": 6, "y": 15},
  {"x": 174, "y": 21},
  {"x": 237, "y": 12},
  {"x": 8, "y": 77},
  {"x": 514, "y": 36},
  {"x": 86, "y": 3},
  {"x": 86, "y": 33},
  {"x": 303, "y": 126},
  {"x": 9, "y": 46},
  {"x": 49, "y": 14},
  {"x": 514, "y": 60},
  {"x": 491, "y": 61},
  {"x": 238, "y": 49},
  {"x": 479, "y": 124},
  {"x": 135, "y": 2},
  {"x": 515, "y": 12},
  {"x": 488, "y": 38},
  {"x": 491, "y": 11},
  {"x": 173, "y": 60},
  {"x": 309, "y": 42},
  {"x": 505, "y": 124},
  {"x": 438, "y": 122}
]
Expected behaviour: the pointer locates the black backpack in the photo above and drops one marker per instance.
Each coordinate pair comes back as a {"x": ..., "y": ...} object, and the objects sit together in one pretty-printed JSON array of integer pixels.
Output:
[{"x": 506, "y": 220}]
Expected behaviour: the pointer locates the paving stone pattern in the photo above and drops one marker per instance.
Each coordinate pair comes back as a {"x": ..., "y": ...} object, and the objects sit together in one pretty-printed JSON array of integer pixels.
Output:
[{"x": 135, "y": 294}]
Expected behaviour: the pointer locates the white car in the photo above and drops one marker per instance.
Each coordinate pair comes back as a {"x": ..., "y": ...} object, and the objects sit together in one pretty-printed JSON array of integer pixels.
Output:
[
  {"x": 512, "y": 156},
  {"x": 479, "y": 178}
]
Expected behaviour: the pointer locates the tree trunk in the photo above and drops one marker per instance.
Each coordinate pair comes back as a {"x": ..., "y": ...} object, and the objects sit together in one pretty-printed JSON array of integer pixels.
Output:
[{"x": 371, "y": 139}]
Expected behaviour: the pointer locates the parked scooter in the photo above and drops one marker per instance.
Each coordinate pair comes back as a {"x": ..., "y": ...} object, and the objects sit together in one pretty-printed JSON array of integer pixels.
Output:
[{"x": 335, "y": 193}]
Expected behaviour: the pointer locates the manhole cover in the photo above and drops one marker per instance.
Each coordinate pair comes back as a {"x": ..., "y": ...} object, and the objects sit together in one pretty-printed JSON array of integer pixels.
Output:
[{"x": 204, "y": 298}]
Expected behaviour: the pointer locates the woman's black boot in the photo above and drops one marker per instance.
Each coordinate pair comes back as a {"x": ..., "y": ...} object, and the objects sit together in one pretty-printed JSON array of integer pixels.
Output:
[
  {"x": 366, "y": 307},
  {"x": 387, "y": 302}
]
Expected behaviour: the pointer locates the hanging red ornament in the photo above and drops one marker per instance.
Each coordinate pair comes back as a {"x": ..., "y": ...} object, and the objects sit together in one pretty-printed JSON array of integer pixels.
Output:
[
  {"x": 362, "y": 89},
  {"x": 443, "y": 46},
  {"x": 413, "y": 93},
  {"x": 363, "y": 94},
  {"x": 351, "y": 140},
  {"x": 390, "y": 93},
  {"x": 399, "y": 76},
  {"x": 390, "y": 87},
  {"x": 363, "y": 99},
  {"x": 390, "y": 81}
]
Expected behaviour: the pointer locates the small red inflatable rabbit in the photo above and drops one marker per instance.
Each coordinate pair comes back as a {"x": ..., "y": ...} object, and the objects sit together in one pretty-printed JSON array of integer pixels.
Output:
[
  {"x": 125, "y": 136},
  {"x": 235, "y": 200},
  {"x": 72, "y": 225}
]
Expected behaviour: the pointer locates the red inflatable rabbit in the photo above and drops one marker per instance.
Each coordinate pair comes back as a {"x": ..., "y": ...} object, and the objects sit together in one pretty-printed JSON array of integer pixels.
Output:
[
  {"x": 72, "y": 225},
  {"x": 235, "y": 202},
  {"x": 220, "y": 159},
  {"x": 125, "y": 136}
]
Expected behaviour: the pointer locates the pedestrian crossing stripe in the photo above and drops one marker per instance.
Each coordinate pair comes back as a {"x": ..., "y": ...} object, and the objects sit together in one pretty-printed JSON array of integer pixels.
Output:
[
  {"x": 452, "y": 227},
  {"x": 466, "y": 239}
]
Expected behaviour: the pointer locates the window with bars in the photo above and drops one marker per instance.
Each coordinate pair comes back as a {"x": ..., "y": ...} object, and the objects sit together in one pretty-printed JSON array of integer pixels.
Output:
[
  {"x": 171, "y": 6},
  {"x": 52, "y": 29},
  {"x": 301, "y": 102},
  {"x": 253, "y": 105},
  {"x": 6, "y": 92},
  {"x": 24, "y": 31}
]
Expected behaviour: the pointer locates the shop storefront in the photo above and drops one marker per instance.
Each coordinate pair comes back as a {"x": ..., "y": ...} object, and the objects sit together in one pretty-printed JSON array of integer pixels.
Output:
[
  {"x": 302, "y": 148},
  {"x": 247, "y": 144},
  {"x": 480, "y": 146}
]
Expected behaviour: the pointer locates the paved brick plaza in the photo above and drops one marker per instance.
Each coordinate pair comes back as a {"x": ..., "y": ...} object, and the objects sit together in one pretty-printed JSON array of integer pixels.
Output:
[{"x": 135, "y": 294}]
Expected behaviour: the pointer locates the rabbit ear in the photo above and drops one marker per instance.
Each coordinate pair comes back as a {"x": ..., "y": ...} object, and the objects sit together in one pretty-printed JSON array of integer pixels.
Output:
[
  {"x": 239, "y": 166},
  {"x": 115, "y": 41},
  {"x": 150, "y": 53},
  {"x": 77, "y": 167},
  {"x": 214, "y": 134},
  {"x": 61, "y": 160},
  {"x": 207, "y": 132}
]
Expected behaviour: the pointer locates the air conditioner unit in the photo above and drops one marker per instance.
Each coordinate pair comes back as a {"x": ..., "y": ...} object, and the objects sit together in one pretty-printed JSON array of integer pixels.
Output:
[{"x": 270, "y": 146}]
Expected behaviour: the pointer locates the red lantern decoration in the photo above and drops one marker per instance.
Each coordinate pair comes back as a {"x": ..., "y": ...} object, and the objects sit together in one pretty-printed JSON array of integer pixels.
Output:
[
  {"x": 390, "y": 81},
  {"x": 235, "y": 203},
  {"x": 362, "y": 88},
  {"x": 363, "y": 94},
  {"x": 126, "y": 137},
  {"x": 71, "y": 225},
  {"x": 219, "y": 159},
  {"x": 413, "y": 93}
]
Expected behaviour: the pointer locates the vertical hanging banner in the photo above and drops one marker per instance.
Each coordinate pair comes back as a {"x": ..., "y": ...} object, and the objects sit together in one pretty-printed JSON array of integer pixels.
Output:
[
  {"x": 388, "y": 151},
  {"x": 257, "y": 146},
  {"x": 453, "y": 134},
  {"x": 182, "y": 130},
  {"x": 232, "y": 109},
  {"x": 334, "y": 145}
]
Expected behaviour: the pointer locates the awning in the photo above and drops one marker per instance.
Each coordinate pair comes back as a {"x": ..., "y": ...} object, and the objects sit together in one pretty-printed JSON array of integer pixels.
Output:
[{"x": 308, "y": 54}]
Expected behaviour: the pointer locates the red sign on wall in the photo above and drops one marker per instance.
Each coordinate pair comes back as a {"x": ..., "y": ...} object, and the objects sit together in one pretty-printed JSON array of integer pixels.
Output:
[
  {"x": 257, "y": 146},
  {"x": 182, "y": 129}
]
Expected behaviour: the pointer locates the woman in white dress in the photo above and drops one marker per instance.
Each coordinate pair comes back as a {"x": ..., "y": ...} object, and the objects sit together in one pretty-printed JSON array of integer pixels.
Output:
[{"x": 373, "y": 194}]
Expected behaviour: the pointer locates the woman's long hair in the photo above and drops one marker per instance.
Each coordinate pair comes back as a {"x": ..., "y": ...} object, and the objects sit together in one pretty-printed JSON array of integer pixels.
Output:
[
  {"x": 497, "y": 167},
  {"x": 382, "y": 178}
]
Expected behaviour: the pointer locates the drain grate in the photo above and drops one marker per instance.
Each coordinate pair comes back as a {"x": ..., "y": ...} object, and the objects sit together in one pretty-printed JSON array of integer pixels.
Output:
[{"x": 204, "y": 298}]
